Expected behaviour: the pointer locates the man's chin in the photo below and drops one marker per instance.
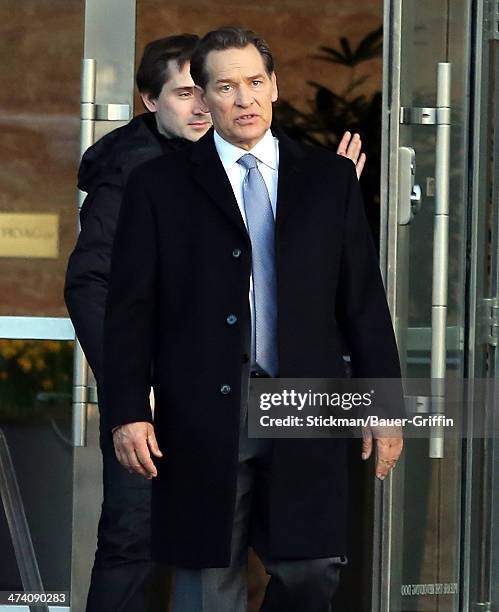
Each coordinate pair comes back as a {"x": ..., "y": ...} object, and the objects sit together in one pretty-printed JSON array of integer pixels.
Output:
[
  {"x": 194, "y": 134},
  {"x": 247, "y": 139}
]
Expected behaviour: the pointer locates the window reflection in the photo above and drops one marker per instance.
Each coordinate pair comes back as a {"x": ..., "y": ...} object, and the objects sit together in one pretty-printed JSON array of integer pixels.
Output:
[{"x": 36, "y": 458}]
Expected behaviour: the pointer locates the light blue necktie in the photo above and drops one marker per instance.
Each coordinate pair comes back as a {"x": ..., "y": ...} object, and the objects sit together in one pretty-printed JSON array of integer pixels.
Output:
[{"x": 260, "y": 220}]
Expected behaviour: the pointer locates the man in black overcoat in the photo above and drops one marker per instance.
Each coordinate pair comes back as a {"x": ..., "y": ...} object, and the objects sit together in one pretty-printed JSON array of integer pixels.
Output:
[
  {"x": 123, "y": 576},
  {"x": 200, "y": 301}
]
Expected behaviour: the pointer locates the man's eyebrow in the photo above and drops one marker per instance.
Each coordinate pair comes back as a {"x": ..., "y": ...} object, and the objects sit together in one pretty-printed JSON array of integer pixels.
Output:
[
  {"x": 224, "y": 81},
  {"x": 189, "y": 87},
  {"x": 260, "y": 75}
]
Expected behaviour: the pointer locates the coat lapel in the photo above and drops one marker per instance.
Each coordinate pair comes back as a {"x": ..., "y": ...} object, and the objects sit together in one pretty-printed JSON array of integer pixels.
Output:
[
  {"x": 209, "y": 173},
  {"x": 289, "y": 182}
]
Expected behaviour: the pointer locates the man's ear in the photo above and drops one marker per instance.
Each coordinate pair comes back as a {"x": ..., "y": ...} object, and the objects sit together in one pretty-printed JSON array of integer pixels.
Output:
[
  {"x": 149, "y": 102},
  {"x": 275, "y": 92},
  {"x": 200, "y": 97}
]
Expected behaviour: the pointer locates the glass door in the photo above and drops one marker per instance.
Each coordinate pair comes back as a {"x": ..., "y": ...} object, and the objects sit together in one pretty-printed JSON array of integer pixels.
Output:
[
  {"x": 107, "y": 77},
  {"x": 39, "y": 116},
  {"x": 434, "y": 252},
  {"x": 481, "y": 565},
  {"x": 51, "y": 109}
]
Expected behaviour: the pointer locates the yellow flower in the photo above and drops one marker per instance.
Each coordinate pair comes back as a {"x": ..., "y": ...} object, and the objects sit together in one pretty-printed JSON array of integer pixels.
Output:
[
  {"x": 25, "y": 364},
  {"x": 40, "y": 363}
]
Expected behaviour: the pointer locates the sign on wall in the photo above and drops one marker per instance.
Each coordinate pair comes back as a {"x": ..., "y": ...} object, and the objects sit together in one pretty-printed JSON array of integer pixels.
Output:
[{"x": 31, "y": 235}]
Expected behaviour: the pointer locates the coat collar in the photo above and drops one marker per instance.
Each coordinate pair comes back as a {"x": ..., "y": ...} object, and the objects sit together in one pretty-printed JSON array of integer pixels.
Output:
[
  {"x": 209, "y": 173},
  {"x": 291, "y": 158}
]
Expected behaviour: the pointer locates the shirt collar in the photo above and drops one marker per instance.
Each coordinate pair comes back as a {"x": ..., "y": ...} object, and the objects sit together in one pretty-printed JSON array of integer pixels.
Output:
[{"x": 264, "y": 150}]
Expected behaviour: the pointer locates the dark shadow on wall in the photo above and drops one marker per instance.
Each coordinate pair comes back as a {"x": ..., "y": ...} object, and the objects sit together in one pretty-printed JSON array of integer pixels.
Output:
[{"x": 334, "y": 112}]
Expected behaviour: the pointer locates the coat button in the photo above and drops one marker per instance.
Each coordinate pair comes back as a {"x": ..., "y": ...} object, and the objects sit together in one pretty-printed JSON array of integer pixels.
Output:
[
  {"x": 225, "y": 389},
  {"x": 236, "y": 253},
  {"x": 231, "y": 319}
]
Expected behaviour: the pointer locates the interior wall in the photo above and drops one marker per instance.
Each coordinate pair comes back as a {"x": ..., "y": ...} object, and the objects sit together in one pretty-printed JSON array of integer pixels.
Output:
[{"x": 294, "y": 29}]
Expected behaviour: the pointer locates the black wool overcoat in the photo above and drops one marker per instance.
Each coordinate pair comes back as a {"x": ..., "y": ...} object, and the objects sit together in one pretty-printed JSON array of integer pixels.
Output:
[
  {"x": 181, "y": 265},
  {"x": 103, "y": 174}
]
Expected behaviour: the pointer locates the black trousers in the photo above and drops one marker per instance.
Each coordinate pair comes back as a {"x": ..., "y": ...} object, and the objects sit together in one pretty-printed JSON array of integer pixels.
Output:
[
  {"x": 302, "y": 585},
  {"x": 124, "y": 578}
]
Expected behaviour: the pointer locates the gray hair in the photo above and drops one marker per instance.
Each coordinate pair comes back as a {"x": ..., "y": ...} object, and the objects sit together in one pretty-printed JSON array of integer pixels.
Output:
[{"x": 227, "y": 38}]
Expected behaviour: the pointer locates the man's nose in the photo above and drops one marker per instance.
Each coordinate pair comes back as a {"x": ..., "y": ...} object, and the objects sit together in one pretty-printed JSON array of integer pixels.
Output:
[
  {"x": 243, "y": 97},
  {"x": 200, "y": 109}
]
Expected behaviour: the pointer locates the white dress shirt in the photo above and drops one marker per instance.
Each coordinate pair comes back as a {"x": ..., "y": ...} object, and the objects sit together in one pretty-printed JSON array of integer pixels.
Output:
[{"x": 266, "y": 152}]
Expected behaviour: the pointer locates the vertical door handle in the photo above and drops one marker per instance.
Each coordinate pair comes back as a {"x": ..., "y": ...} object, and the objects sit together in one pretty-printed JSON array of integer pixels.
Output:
[
  {"x": 440, "y": 254},
  {"x": 80, "y": 366},
  {"x": 90, "y": 113},
  {"x": 87, "y": 118}
]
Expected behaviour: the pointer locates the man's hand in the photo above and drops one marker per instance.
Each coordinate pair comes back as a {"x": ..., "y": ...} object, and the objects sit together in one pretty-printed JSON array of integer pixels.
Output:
[
  {"x": 133, "y": 445},
  {"x": 350, "y": 147},
  {"x": 389, "y": 444}
]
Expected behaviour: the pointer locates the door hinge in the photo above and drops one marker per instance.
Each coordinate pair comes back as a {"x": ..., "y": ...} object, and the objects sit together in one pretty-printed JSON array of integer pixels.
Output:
[
  {"x": 425, "y": 116},
  {"x": 489, "y": 321},
  {"x": 105, "y": 112}
]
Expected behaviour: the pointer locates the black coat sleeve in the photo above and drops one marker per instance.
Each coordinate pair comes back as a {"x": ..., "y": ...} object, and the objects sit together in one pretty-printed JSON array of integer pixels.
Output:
[
  {"x": 87, "y": 276},
  {"x": 361, "y": 309},
  {"x": 130, "y": 313}
]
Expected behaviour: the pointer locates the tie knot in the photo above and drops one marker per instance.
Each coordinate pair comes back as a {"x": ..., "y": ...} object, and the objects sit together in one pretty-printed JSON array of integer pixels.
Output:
[{"x": 248, "y": 161}]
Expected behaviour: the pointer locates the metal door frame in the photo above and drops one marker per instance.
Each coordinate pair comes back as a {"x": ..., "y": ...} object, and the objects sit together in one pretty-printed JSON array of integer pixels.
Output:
[
  {"x": 383, "y": 492},
  {"x": 385, "y": 498},
  {"x": 109, "y": 39}
]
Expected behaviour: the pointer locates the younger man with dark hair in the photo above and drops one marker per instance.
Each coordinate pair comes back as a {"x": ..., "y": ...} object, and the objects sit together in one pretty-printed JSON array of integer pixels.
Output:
[{"x": 123, "y": 577}]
